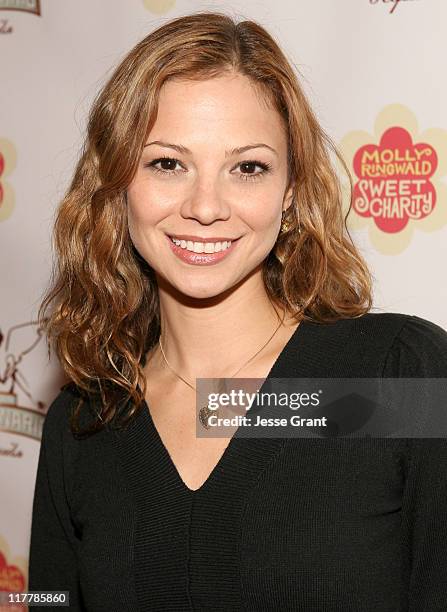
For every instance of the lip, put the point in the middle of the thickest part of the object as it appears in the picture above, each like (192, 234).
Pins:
(200, 259)
(200, 239)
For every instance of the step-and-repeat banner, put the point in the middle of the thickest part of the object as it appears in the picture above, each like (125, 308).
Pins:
(374, 72)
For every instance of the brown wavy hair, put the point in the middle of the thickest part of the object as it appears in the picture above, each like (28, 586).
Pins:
(104, 296)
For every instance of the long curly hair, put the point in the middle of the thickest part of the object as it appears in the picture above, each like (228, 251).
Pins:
(104, 313)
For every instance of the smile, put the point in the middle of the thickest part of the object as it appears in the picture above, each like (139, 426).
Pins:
(202, 247)
(201, 253)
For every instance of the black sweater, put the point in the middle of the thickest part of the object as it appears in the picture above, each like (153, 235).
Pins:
(311, 524)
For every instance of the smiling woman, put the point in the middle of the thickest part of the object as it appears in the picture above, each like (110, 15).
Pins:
(203, 236)
(210, 198)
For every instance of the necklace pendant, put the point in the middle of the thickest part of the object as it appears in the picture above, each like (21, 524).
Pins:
(204, 413)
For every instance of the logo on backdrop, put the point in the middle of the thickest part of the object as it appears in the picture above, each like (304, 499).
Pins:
(8, 160)
(15, 418)
(28, 6)
(393, 3)
(12, 573)
(393, 180)
(397, 179)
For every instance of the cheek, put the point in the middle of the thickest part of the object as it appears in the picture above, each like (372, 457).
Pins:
(265, 214)
(140, 219)
(138, 215)
(135, 221)
(140, 223)
(148, 203)
(142, 209)
(267, 217)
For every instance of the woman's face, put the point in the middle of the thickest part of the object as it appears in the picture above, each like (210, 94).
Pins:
(206, 188)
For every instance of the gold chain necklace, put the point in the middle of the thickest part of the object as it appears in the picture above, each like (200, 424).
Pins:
(205, 411)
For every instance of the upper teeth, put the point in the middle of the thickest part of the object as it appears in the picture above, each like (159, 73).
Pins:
(202, 247)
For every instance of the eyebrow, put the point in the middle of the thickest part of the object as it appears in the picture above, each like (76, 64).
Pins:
(235, 151)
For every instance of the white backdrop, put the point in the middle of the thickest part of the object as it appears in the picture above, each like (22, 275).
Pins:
(368, 66)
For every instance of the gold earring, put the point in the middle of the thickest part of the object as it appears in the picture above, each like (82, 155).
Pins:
(285, 225)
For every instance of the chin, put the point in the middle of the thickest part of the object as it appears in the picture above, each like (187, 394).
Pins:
(204, 288)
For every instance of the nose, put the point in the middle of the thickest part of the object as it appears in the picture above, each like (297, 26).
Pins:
(206, 202)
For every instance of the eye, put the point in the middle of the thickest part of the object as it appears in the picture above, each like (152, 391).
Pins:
(169, 164)
(253, 176)
(168, 168)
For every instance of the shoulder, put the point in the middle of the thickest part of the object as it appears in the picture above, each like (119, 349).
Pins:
(58, 414)
(395, 322)
(71, 409)
(415, 347)
(379, 344)
(418, 350)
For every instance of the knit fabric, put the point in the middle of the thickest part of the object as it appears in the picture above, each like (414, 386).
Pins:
(301, 524)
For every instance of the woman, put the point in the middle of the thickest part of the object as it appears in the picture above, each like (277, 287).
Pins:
(203, 237)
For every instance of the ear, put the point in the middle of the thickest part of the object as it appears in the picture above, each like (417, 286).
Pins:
(288, 198)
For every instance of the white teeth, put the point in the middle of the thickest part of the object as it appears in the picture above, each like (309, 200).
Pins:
(202, 247)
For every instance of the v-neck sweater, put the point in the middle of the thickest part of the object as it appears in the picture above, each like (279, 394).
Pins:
(311, 524)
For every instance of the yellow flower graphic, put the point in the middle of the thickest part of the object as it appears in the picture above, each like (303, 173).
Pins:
(159, 7)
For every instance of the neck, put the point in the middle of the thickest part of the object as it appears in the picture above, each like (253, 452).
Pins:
(213, 337)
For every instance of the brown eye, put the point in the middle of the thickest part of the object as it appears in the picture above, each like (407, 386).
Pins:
(250, 166)
(168, 165)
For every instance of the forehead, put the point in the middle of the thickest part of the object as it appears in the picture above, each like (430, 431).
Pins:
(227, 102)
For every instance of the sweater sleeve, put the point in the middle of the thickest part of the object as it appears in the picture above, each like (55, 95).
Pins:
(420, 350)
(52, 554)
